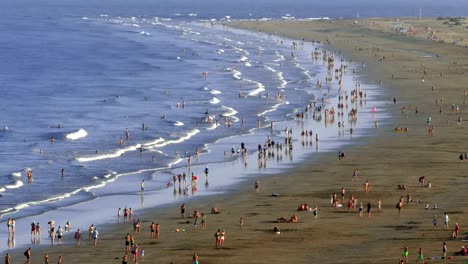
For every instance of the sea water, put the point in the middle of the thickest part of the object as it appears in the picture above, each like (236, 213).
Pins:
(75, 78)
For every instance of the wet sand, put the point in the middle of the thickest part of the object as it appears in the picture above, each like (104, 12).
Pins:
(386, 159)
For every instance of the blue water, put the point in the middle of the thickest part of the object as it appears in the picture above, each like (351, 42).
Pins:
(84, 73)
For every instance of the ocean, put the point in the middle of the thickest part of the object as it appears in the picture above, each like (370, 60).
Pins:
(77, 75)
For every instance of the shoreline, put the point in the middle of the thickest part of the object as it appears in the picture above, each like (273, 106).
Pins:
(293, 194)
(62, 214)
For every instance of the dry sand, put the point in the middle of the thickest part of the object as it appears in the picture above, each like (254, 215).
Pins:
(386, 159)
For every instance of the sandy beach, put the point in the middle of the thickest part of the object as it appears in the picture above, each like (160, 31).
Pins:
(427, 78)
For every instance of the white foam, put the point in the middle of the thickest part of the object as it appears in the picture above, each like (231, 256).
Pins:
(189, 134)
(2, 189)
(178, 123)
(85, 18)
(236, 74)
(192, 14)
(247, 64)
(215, 92)
(16, 174)
(215, 101)
(144, 33)
(243, 59)
(118, 152)
(80, 133)
(231, 112)
(273, 108)
(16, 185)
(260, 88)
(213, 126)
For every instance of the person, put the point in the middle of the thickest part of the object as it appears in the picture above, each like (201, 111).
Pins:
(315, 210)
(195, 258)
(27, 254)
(135, 253)
(434, 222)
(206, 171)
(446, 221)
(422, 180)
(158, 230)
(355, 174)
(217, 236)
(46, 258)
(241, 222)
(222, 238)
(125, 258)
(405, 253)
(90, 231)
(444, 251)
(59, 234)
(294, 218)
(78, 237)
(456, 231)
(182, 211)
(7, 259)
(366, 186)
(128, 240)
(33, 228)
(142, 185)
(95, 236)
(142, 255)
(369, 210)
(420, 255)
(196, 215)
(59, 260)
(257, 185)
(203, 220)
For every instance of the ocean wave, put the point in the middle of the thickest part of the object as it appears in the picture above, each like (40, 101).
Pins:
(215, 92)
(2, 189)
(80, 133)
(214, 125)
(188, 135)
(16, 185)
(243, 59)
(231, 112)
(16, 174)
(178, 123)
(118, 152)
(236, 74)
(273, 108)
(144, 33)
(214, 100)
(247, 64)
(280, 57)
(260, 87)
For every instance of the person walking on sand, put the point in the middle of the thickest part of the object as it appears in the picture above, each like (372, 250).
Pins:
(434, 222)
(7, 259)
(182, 211)
(446, 221)
(95, 236)
(405, 253)
(195, 258)
(420, 256)
(366, 186)
(27, 254)
(444, 251)
(257, 185)
(355, 174)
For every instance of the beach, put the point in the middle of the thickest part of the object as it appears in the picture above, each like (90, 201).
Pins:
(414, 73)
